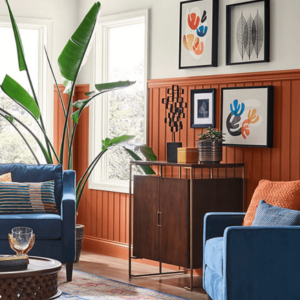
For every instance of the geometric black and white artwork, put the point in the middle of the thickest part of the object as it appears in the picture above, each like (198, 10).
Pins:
(247, 30)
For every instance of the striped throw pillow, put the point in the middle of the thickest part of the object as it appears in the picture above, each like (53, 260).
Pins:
(27, 197)
(5, 177)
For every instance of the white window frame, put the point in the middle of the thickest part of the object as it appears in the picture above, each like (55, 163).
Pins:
(100, 60)
(45, 85)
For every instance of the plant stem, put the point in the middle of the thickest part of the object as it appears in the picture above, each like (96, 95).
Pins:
(79, 188)
(35, 98)
(36, 159)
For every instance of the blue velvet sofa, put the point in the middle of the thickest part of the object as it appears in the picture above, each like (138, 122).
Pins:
(54, 233)
(249, 263)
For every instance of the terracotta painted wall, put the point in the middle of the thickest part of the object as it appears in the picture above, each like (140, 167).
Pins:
(105, 214)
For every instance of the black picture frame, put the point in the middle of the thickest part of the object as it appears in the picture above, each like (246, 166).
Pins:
(258, 49)
(192, 58)
(203, 108)
(245, 122)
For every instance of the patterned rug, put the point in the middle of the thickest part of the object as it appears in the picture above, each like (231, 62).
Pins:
(87, 286)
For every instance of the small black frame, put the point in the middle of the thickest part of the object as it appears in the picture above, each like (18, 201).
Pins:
(268, 101)
(213, 62)
(264, 51)
(207, 98)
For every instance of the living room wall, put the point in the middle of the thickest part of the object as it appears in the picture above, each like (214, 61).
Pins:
(164, 37)
(105, 214)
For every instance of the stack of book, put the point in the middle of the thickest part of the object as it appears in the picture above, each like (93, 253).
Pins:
(13, 263)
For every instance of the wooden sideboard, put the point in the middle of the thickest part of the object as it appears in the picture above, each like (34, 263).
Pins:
(168, 212)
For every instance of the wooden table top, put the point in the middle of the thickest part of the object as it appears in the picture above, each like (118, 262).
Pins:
(189, 165)
(37, 266)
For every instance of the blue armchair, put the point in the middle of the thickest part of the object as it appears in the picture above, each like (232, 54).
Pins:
(54, 233)
(249, 263)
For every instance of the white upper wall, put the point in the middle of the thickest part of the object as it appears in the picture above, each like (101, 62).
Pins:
(164, 37)
(64, 15)
(164, 33)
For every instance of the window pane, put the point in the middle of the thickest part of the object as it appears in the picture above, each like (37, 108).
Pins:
(126, 107)
(12, 147)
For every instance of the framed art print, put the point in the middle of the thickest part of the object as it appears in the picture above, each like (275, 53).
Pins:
(247, 116)
(248, 32)
(203, 108)
(198, 34)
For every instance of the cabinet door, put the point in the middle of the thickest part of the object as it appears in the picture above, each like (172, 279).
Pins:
(174, 207)
(145, 209)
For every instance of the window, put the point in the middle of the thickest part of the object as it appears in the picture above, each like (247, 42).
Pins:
(35, 34)
(120, 54)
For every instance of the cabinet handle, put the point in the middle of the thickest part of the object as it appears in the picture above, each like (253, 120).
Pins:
(159, 219)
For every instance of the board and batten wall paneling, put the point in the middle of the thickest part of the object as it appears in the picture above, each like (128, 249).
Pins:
(278, 163)
(105, 214)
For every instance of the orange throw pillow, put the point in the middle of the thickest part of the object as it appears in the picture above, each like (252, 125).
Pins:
(284, 194)
(5, 177)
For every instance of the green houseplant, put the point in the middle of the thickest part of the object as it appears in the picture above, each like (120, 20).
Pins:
(70, 62)
(210, 146)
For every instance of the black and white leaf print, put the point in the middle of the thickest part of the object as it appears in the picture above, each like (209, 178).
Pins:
(242, 35)
(249, 48)
(259, 36)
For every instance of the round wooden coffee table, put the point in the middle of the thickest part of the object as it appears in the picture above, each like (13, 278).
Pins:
(39, 281)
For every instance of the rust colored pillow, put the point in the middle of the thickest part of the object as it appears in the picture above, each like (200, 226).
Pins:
(5, 177)
(284, 194)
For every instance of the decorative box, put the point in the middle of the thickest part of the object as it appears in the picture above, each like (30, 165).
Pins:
(187, 155)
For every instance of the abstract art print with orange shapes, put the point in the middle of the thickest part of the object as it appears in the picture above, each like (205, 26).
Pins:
(247, 116)
(198, 41)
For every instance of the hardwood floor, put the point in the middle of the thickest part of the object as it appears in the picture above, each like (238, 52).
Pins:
(117, 269)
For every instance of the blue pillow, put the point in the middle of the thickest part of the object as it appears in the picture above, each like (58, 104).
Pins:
(269, 215)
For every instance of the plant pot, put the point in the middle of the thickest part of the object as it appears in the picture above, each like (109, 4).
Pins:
(172, 151)
(79, 240)
(209, 152)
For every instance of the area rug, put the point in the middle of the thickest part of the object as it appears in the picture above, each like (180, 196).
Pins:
(87, 286)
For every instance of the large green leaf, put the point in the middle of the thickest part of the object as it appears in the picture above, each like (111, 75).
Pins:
(146, 169)
(107, 143)
(21, 57)
(17, 93)
(109, 86)
(101, 88)
(148, 152)
(72, 56)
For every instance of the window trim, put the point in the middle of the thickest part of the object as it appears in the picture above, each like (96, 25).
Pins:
(45, 85)
(104, 24)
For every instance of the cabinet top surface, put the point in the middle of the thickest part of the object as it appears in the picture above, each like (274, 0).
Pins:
(188, 165)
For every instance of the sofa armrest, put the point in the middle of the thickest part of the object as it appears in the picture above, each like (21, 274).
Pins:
(68, 215)
(216, 223)
(261, 262)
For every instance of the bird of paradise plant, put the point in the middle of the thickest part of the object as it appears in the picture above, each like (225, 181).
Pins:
(70, 61)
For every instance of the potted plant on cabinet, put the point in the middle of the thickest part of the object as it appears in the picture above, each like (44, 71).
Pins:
(70, 62)
(210, 146)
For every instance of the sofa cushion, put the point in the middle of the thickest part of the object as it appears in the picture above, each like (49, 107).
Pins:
(5, 177)
(22, 198)
(214, 255)
(37, 173)
(214, 284)
(45, 226)
(269, 215)
(284, 194)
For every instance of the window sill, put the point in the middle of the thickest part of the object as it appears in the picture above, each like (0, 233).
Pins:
(117, 186)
